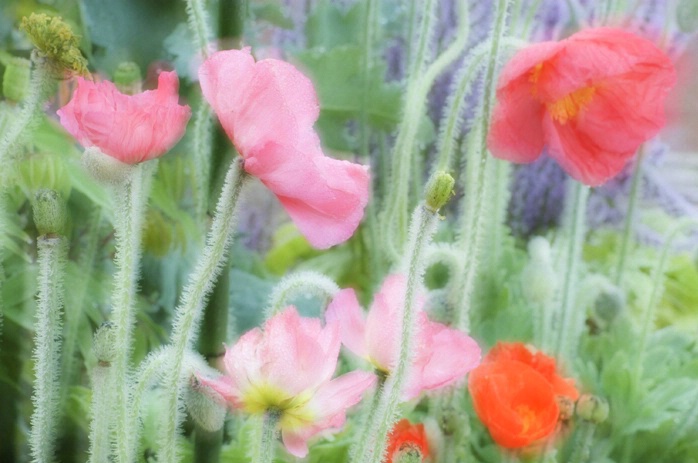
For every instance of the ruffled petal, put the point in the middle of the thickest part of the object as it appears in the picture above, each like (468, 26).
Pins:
(347, 313)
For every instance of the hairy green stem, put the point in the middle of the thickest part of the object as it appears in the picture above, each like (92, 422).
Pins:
(566, 329)
(371, 8)
(47, 346)
(188, 313)
(132, 198)
(628, 227)
(371, 450)
(263, 450)
(199, 25)
(478, 183)
(102, 393)
(202, 141)
(307, 282)
(585, 438)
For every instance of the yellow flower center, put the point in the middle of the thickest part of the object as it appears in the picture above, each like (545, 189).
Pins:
(294, 410)
(567, 107)
(527, 415)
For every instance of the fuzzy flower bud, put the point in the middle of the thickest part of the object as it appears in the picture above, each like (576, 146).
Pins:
(538, 279)
(592, 408)
(49, 212)
(103, 168)
(128, 78)
(439, 190)
(205, 406)
(56, 41)
(44, 171)
(103, 344)
(15, 81)
(609, 304)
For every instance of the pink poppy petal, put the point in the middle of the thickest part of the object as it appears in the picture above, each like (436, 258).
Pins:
(225, 387)
(333, 398)
(296, 443)
(347, 313)
(383, 322)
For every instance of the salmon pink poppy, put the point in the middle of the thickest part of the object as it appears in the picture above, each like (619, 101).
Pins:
(592, 99)
(268, 109)
(288, 367)
(406, 437)
(515, 394)
(443, 355)
(129, 128)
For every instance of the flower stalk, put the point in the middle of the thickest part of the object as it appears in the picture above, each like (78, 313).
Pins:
(188, 314)
(628, 227)
(312, 283)
(263, 452)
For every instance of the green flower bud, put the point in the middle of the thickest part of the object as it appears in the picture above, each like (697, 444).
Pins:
(609, 304)
(16, 79)
(49, 212)
(128, 78)
(56, 41)
(44, 171)
(592, 408)
(439, 190)
(538, 279)
(103, 344)
(105, 168)
(205, 406)
(408, 454)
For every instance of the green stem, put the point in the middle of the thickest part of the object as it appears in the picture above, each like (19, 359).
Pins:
(47, 346)
(188, 314)
(372, 449)
(102, 393)
(567, 330)
(478, 182)
(231, 19)
(312, 283)
(582, 447)
(202, 141)
(40, 87)
(199, 24)
(132, 197)
(263, 452)
(368, 39)
(628, 228)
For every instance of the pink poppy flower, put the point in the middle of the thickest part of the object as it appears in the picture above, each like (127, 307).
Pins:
(131, 129)
(593, 99)
(268, 109)
(288, 367)
(443, 355)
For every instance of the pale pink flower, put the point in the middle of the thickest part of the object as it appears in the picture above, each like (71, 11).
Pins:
(442, 355)
(268, 109)
(131, 129)
(288, 366)
(592, 99)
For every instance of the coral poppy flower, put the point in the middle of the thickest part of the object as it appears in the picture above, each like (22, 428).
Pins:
(515, 392)
(406, 437)
(128, 128)
(443, 355)
(288, 367)
(268, 109)
(593, 99)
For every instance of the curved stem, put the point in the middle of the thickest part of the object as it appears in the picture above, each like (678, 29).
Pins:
(371, 450)
(297, 283)
(47, 348)
(188, 314)
(263, 452)
(629, 219)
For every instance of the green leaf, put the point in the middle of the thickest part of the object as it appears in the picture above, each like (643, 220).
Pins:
(271, 13)
(288, 247)
(329, 27)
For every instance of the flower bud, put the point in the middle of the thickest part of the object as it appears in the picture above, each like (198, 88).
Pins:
(56, 41)
(592, 408)
(205, 406)
(105, 168)
(566, 406)
(609, 303)
(439, 190)
(408, 454)
(538, 279)
(103, 344)
(49, 212)
(128, 78)
(15, 81)
(44, 171)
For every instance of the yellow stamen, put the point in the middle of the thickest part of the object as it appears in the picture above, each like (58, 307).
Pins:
(294, 410)
(569, 106)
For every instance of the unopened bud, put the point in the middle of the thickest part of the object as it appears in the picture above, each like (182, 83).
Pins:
(128, 78)
(49, 212)
(439, 190)
(408, 454)
(566, 406)
(609, 303)
(105, 168)
(44, 171)
(538, 279)
(55, 41)
(205, 406)
(103, 344)
(592, 408)
(15, 80)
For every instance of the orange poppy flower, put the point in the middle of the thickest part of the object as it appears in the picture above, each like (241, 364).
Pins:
(515, 392)
(405, 436)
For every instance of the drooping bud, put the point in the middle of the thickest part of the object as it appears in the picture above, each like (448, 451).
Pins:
(128, 78)
(49, 212)
(103, 344)
(105, 168)
(55, 41)
(538, 279)
(592, 408)
(15, 80)
(205, 406)
(439, 190)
